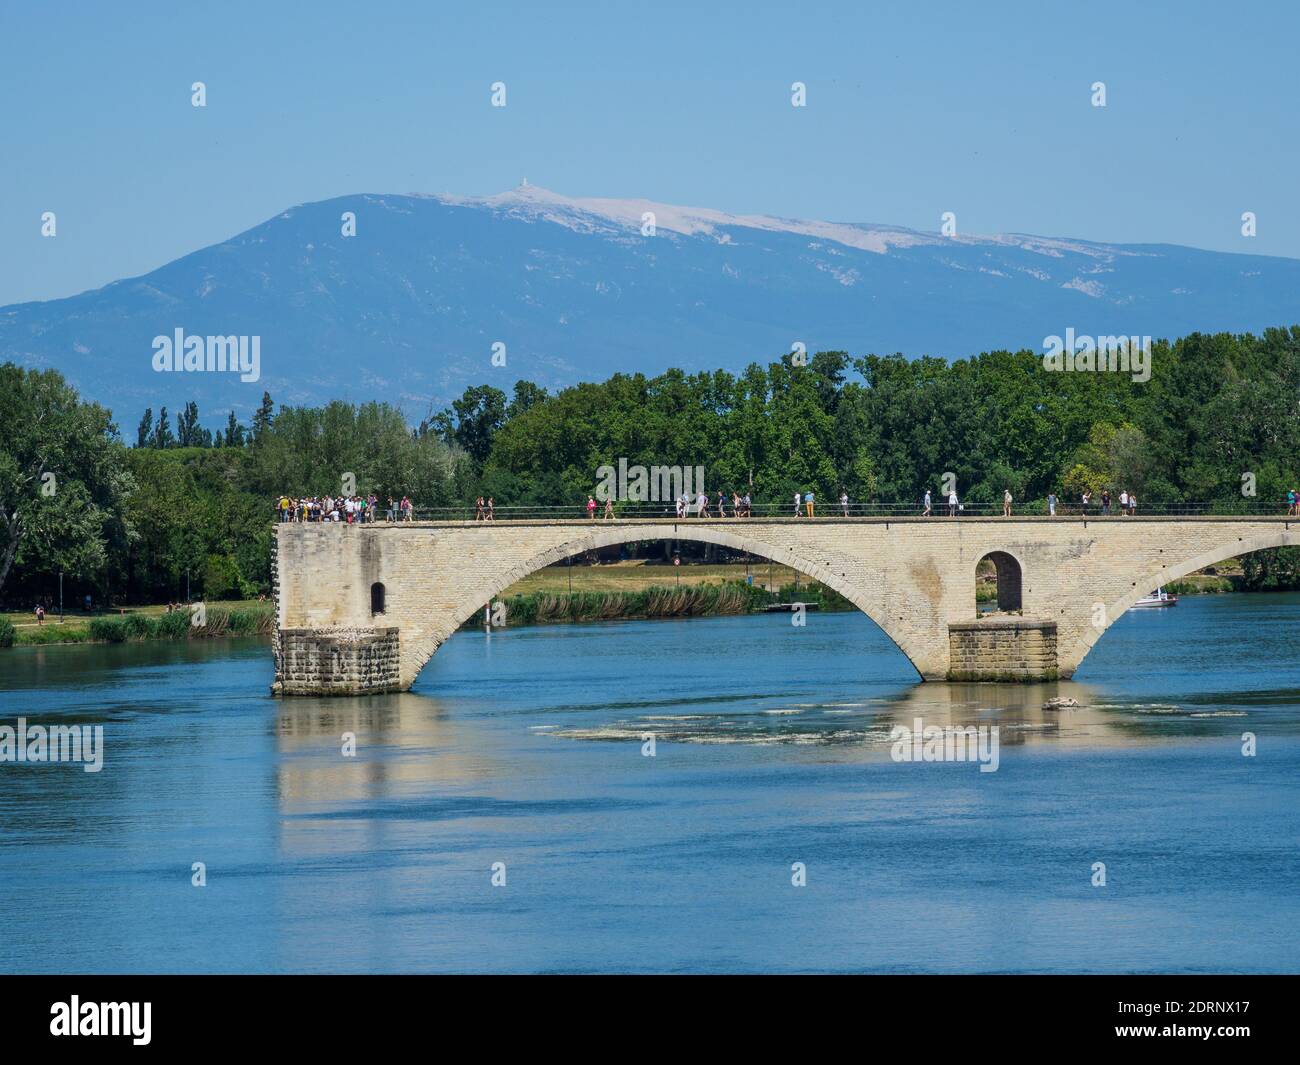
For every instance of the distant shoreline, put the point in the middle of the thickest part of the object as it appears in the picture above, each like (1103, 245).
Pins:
(544, 605)
(140, 624)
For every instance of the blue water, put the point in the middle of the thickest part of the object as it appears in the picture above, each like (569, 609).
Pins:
(772, 748)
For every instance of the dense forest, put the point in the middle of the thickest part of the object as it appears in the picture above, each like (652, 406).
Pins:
(133, 520)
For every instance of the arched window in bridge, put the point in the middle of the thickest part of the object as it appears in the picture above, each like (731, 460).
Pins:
(376, 598)
(998, 577)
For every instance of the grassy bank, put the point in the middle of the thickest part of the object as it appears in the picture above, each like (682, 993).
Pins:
(653, 601)
(638, 574)
(1204, 584)
(148, 623)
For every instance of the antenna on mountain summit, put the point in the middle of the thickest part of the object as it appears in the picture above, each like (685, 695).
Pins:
(525, 184)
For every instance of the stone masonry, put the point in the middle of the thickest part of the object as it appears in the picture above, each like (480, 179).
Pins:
(337, 661)
(1002, 648)
(913, 577)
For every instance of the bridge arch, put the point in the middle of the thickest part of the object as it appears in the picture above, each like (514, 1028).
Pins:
(610, 535)
(1145, 581)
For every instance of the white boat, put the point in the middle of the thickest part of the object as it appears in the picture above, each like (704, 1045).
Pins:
(1158, 598)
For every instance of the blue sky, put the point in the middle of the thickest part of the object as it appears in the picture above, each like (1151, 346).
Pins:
(913, 109)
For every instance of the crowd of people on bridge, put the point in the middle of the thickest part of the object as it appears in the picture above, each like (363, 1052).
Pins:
(1127, 503)
(363, 509)
(700, 505)
(695, 504)
(353, 509)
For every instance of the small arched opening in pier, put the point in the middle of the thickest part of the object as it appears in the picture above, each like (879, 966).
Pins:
(376, 599)
(1001, 571)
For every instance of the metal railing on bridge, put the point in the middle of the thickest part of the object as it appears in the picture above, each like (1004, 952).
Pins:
(625, 511)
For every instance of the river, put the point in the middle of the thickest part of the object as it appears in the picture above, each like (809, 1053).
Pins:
(771, 748)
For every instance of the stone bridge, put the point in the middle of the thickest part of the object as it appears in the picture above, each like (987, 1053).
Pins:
(362, 608)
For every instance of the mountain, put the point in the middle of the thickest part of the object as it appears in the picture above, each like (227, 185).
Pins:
(410, 307)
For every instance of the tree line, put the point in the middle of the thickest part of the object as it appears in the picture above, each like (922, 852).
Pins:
(135, 523)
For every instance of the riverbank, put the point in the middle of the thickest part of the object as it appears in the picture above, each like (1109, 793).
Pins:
(1206, 584)
(251, 618)
(654, 601)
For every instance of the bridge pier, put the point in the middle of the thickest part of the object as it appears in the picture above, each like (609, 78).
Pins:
(1002, 649)
(337, 661)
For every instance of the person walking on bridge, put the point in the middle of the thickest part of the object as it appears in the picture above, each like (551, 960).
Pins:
(952, 503)
(591, 507)
(1051, 504)
(1006, 502)
(844, 502)
(927, 509)
(797, 499)
(808, 502)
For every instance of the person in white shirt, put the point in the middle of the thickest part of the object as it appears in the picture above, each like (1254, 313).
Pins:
(952, 503)
(926, 512)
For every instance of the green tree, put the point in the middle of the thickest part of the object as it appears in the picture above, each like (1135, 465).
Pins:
(234, 432)
(189, 433)
(527, 395)
(473, 420)
(262, 418)
(162, 432)
(62, 479)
